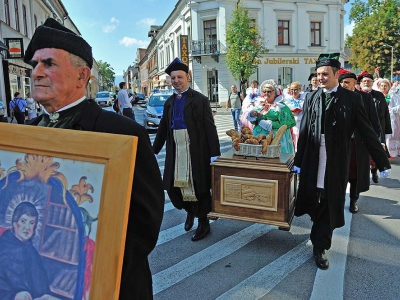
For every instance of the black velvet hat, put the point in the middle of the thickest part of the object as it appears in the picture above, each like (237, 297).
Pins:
(312, 75)
(54, 35)
(328, 59)
(363, 75)
(346, 74)
(176, 65)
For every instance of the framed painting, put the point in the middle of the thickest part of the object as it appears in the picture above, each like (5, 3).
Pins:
(64, 204)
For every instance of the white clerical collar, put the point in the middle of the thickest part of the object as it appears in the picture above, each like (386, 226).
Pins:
(67, 106)
(332, 90)
(176, 92)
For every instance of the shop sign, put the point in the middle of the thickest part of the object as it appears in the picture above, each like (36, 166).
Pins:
(184, 49)
(16, 70)
(287, 61)
(15, 47)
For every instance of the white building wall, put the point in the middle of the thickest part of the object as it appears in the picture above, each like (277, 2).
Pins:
(299, 56)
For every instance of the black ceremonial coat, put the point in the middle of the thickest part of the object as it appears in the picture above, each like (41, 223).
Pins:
(203, 136)
(362, 154)
(147, 200)
(383, 114)
(343, 115)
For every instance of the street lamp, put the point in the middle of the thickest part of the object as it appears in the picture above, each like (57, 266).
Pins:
(391, 65)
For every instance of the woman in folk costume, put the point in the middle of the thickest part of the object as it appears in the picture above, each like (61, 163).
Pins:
(295, 102)
(271, 113)
(187, 127)
(248, 103)
(392, 97)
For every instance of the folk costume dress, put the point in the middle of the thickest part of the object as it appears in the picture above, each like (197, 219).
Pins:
(296, 107)
(393, 142)
(248, 105)
(277, 114)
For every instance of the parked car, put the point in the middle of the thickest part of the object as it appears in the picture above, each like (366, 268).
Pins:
(104, 98)
(154, 109)
(141, 97)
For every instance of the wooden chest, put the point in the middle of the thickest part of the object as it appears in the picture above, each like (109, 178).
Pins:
(260, 190)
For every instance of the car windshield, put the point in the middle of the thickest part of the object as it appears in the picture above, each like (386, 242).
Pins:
(141, 95)
(103, 95)
(158, 100)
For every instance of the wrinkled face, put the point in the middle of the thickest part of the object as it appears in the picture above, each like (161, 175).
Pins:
(366, 84)
(269, 94)
(384, 87)
(55, 80)
(326, 78)
(294, 91)
(25, 227)
(314, 81)
(180, 80)
(348, 83)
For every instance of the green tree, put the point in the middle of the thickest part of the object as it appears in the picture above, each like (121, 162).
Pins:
(107, 74)
(376, 25)
(244, 43)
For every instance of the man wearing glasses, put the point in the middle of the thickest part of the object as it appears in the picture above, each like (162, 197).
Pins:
(235, 104)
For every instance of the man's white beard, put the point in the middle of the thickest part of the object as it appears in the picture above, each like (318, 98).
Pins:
(366, 89)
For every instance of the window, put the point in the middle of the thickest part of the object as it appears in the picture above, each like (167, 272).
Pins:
(7, 11)
(253, 23)
(16, 16)
(35, 20)
(315, 33)
(283, 33)
(285, 76)
(210, 36)
(24, 19)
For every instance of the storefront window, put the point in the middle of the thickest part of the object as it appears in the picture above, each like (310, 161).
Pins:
(285, 76)
(27, 85)
(13, 84)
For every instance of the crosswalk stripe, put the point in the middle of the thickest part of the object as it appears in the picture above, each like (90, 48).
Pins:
(337, 256)
(264, 280)
(189, 266)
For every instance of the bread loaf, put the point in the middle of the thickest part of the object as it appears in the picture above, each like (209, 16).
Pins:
(279, 135)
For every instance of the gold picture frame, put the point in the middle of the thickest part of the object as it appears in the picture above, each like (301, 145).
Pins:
(115, 154)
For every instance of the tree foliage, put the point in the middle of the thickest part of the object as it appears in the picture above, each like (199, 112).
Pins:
(376, 25)
(244, 43)
(107, 74)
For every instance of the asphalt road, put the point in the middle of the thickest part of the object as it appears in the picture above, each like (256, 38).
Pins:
(241, 260)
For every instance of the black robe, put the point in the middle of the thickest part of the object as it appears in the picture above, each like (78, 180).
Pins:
(204, 142)
(383, 113)
(343, 115)
(21, 268)
(362, 154)
(147, 200)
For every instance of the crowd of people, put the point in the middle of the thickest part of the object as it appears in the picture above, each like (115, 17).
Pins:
(324, 125)
(23, 110)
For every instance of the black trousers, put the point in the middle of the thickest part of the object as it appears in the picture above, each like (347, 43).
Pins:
(321, 232)
(199, 208)
(20, 118)
(128, 112)
(353, 189)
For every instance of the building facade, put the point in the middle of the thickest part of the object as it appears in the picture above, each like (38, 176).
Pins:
(294, 32)
(18, 22)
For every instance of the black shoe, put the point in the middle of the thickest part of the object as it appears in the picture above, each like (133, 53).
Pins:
(353, 208)
(375, 177)
(189, 221)
(202, 230)
(320, 258)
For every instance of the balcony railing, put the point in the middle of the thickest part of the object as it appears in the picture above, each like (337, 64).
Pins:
(204, 47)
(207, 47)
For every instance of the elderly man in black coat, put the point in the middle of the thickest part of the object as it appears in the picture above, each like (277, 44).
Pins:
(61, 62)
(330, 116)
(187, 126)
(360, 160)
(366, 82)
